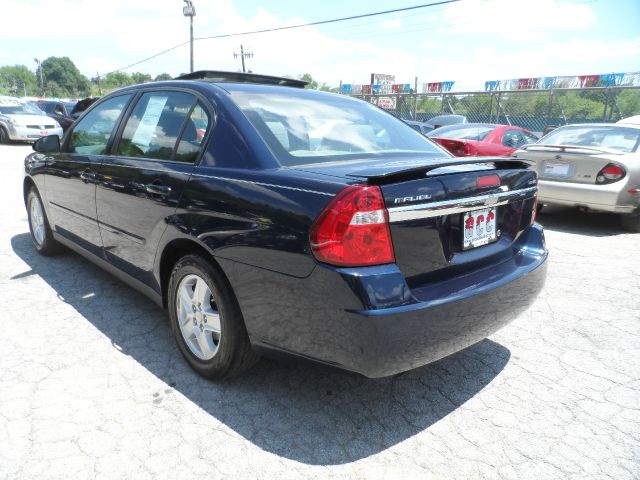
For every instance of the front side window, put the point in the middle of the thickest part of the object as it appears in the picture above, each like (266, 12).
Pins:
(91, 135)
(156, 123)
(308, 128)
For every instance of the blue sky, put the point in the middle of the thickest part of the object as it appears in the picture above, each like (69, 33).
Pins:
(468, 41)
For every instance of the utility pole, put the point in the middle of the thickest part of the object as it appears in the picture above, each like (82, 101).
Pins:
(41, 77)
(98, 82)
(190, 11)
(242, 56)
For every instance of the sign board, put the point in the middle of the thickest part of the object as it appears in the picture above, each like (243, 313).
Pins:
(388, 103)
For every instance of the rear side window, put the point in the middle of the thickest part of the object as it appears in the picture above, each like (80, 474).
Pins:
(193, 135)
(92, 133)
(156, 123)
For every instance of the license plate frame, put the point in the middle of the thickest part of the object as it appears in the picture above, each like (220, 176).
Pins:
(556, 169)
(479, 228)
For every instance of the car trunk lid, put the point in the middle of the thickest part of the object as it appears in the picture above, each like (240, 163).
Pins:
(437, 206)
(568, 163)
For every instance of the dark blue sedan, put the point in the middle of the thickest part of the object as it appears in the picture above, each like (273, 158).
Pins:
(267, 218)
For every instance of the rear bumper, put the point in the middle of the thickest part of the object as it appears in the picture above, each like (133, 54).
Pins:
(367, 320)
(612, 198)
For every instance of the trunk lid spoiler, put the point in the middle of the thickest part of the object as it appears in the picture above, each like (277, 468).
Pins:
(397, 171)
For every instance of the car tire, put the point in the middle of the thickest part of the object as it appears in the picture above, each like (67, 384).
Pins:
(631, 222)
(206, 320)
(4, 136)
(41, 234)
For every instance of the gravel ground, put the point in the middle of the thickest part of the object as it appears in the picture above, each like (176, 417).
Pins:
(92, 385)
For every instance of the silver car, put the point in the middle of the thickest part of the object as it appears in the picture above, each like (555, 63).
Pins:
(24, 122)
(591, 166)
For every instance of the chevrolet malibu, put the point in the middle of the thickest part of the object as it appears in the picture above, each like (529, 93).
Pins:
(267, 218)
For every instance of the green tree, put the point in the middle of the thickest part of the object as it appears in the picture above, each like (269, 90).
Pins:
(18, 80)
(68, 80)
(313, 84)
(138, 77)
(163, 76)
(117, 80)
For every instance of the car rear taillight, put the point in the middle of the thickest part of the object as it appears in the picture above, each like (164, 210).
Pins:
(610, 173)
(353, 230)
(459, 148)
(486, 181)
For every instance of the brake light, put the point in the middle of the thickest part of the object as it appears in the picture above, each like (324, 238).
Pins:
(353, 230)
(487, 181)
(459, 148)
(610, 173)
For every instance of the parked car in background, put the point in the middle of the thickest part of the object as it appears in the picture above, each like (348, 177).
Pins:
(471, 139)
(591, 166)
(82, 105)
(444, 120)
(58, 110)
(633, 120)
(421, 127)
(23, 122)
(361, 245)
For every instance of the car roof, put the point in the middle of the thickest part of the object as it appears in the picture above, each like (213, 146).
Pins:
(618, 124)
(217, 76)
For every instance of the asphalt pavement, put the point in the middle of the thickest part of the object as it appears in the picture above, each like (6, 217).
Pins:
(92, 385)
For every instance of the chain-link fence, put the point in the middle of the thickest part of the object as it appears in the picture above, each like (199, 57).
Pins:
(530, 109)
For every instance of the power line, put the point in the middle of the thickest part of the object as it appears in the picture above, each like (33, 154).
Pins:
(290, 27)
(334, 20)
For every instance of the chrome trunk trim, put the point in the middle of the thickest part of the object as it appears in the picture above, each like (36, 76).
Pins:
(460, 205)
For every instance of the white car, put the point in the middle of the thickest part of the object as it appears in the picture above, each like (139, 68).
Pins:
(635, 120)
(590, 166)
(24, 122)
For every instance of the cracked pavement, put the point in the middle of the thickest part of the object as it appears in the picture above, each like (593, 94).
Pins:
(92, 385)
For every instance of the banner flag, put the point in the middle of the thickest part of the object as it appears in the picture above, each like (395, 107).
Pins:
(446, 86)
(588, 80)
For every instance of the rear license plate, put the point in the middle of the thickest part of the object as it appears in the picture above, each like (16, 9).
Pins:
(478, 228)
(556, 170)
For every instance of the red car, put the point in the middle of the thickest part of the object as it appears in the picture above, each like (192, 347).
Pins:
(471, 139)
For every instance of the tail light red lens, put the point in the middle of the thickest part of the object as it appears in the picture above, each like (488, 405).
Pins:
(610, 173)
(353, 230)
(487, 181)
(469, 150)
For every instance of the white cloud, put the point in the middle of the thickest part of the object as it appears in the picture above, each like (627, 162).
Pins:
(392, 23)
(480, 40)
(519, 20)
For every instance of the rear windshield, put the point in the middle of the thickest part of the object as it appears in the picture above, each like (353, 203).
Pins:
(614, 137)
(324, 128)
(463, 131)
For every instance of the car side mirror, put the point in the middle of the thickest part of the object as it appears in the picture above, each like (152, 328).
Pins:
(48, 144)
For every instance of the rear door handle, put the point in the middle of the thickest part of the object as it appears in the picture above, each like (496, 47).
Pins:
(156, 189)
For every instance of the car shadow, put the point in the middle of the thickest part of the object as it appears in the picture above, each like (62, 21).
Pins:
(304, 412)
(572, 220)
